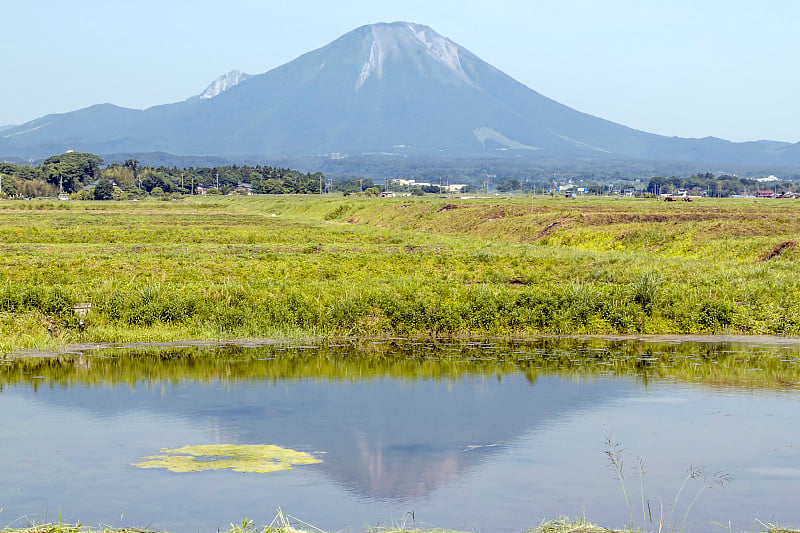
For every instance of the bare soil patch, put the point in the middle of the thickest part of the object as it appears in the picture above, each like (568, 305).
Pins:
(778, 250)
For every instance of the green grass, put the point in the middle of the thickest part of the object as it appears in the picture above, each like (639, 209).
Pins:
(292, 267)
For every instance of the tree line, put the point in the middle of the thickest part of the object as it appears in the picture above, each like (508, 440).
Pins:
(82, 176)
(709, 184)
(721, 186)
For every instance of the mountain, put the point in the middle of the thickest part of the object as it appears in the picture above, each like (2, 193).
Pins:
(222, 84)
(393, 89)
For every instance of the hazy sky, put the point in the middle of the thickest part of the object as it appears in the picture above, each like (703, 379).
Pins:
(691, 68)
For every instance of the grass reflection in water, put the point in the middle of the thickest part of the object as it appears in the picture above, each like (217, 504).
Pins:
(740, 365)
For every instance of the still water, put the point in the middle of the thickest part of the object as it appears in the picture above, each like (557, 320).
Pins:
(475, 437)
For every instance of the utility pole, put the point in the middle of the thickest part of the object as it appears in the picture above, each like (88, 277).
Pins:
(191, 193)
(218, 179)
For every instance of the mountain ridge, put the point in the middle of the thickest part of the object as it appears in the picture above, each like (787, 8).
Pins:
(398, 89)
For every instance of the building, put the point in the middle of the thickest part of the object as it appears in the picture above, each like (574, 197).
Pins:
(244, 189)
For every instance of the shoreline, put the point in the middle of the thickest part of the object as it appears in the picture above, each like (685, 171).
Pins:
(281, 525)
(84, 349)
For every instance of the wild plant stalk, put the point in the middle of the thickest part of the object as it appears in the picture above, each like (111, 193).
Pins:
(614, 453)
(718, 481)
(282, 522)
(694, 472)
(641, 491)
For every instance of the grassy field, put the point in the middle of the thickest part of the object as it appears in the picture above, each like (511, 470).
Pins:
(333, 266)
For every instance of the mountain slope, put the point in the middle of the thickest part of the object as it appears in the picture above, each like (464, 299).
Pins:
(395, 88)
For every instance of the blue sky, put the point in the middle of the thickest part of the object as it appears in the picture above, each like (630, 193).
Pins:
(685, 68)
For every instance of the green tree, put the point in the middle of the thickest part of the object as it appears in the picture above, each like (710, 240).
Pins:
(272, 186)
(122, 176)
(74, 169)
(352, 185)
(510, 185)
(104, 190)
(133, 166)
(152, 179)
(660, 185)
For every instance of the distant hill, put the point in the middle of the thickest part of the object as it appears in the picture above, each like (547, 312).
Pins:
(163, 159)
(397, 89)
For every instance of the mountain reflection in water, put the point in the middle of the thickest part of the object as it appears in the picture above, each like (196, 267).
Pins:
(396, 425)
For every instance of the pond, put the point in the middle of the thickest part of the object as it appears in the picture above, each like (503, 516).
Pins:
(476, 436)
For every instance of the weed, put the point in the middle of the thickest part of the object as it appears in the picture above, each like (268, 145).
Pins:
(717, 480)
(482, 256)
(645, 290)
(613, 451)
(245, 527)
(715, 314)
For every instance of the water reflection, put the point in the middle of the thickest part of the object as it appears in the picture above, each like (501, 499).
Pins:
(740, 364)
(381, 438)
(398, 425)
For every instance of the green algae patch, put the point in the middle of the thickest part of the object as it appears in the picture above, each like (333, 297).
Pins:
(256, 458)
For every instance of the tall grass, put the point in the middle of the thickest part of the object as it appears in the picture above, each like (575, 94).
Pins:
(333, 266)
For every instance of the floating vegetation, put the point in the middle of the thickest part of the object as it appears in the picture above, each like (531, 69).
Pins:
(256, 458)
